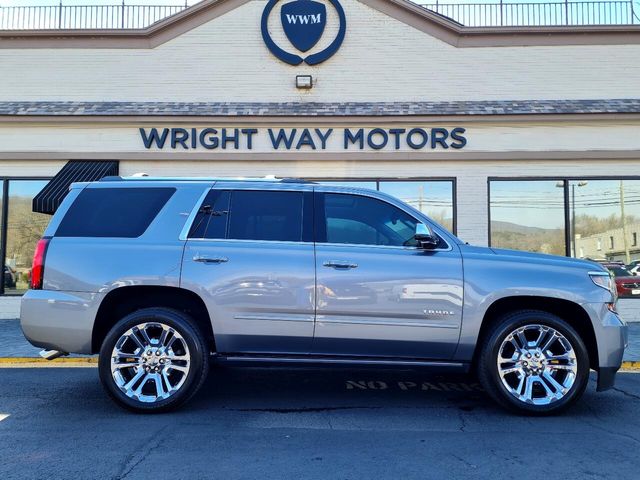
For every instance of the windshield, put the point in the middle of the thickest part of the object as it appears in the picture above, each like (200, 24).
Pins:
(620, 272)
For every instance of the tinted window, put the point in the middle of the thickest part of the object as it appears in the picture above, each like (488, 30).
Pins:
(113, 212)
(211, 220)
(265, 215)
(363, 220)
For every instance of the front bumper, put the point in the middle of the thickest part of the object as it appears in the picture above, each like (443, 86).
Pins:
(611, 338)
(57, 320)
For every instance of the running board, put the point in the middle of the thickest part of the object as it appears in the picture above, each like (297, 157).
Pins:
(336, 360)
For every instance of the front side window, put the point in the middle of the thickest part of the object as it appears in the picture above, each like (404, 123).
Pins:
(433, 198)
(361, 220)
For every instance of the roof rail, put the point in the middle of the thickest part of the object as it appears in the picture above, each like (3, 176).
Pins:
(294, 180)
(114, 178)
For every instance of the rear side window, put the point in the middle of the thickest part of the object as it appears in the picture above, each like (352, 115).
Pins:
(113, 212)
(211, 220)
(263, 215)
(251, 215)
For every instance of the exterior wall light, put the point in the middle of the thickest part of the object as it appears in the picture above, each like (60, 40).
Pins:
(304, 81)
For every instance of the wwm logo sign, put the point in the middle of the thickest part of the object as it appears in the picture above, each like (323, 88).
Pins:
(303, 19)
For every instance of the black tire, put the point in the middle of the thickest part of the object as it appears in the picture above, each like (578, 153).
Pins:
(487, 367)
(199, 359)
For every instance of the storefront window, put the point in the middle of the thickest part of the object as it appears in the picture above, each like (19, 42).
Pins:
(351, 183)
(434, 199)
(528, 215)
(24, 228)
(605, 218)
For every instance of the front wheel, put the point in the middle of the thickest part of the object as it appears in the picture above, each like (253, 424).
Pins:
(534, 362)
(153, 360)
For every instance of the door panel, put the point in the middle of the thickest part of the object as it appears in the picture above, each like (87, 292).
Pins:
(251, 260)
(259, 294)
(396, 302)
(377, 293)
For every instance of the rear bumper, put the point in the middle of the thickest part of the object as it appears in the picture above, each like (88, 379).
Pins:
(57, 320)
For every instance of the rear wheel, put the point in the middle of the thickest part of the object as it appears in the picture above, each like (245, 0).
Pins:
(153, 360)
(534, 362)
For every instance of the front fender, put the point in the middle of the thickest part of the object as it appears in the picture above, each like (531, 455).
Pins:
(489, 278)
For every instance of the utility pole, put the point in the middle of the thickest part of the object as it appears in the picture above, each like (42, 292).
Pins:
(573, 220)
(624, 225)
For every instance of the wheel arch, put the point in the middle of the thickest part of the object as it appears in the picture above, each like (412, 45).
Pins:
(125, 300)
(569, 311)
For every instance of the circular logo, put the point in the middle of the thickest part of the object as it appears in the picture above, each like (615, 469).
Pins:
(303, 23)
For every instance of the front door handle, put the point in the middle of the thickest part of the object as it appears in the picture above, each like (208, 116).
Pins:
(203, 259)
(340, 264)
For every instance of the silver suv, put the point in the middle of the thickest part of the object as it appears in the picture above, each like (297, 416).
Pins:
(157, 275)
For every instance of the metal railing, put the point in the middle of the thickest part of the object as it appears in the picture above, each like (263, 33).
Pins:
(64, 17)
(532, 14)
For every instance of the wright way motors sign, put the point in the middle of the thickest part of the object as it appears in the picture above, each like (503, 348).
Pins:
(209, 138)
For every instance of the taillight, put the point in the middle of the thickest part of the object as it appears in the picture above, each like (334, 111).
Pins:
(37, 268)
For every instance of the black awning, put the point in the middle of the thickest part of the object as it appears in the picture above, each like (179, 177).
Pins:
(51, 196)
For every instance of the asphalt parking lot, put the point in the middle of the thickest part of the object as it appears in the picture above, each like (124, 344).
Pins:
(250, 423)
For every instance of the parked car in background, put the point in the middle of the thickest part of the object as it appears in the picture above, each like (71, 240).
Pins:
(634, 267)
(158, 275)
(627, 284)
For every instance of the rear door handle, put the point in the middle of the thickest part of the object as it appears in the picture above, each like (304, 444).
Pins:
(340, 264)
(203, 259)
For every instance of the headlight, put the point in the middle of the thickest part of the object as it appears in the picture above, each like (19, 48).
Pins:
(606, 281)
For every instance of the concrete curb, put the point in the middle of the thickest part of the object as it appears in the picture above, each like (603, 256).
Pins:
(37, 362)
(630, 366)
(66, 362)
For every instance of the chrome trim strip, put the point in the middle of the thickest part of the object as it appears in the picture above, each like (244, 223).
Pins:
(192, 216)
(387, 247)
(388, 324)
(249, 241)
(273, 318)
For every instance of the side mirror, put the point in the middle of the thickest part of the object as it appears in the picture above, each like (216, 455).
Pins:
(425, 237)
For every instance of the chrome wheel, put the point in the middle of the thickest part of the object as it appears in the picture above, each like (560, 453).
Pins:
(150, 362)
(537, 364)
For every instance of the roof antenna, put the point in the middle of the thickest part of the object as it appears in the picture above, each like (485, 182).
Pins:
(139, 175)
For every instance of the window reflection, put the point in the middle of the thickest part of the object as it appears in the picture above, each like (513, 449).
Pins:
(24, 229)
(528, 215)
(606, 220)
(433, 198)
